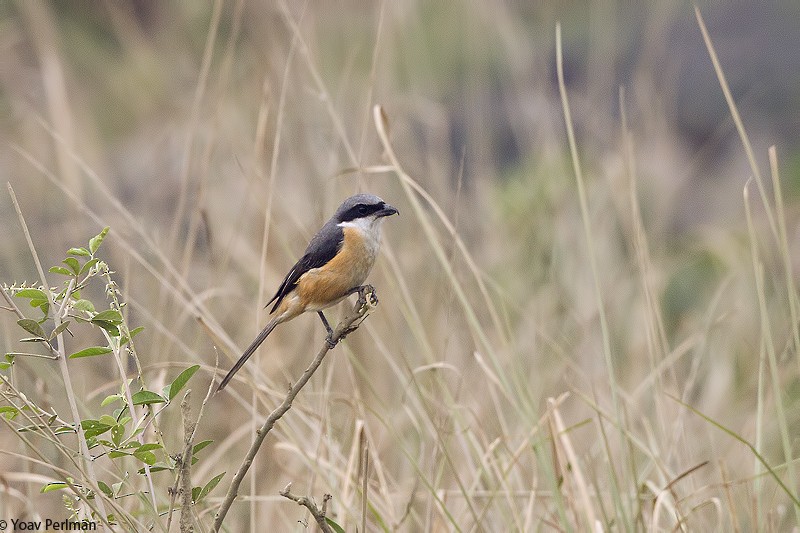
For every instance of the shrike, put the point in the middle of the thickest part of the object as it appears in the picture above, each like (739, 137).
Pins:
(334, 266)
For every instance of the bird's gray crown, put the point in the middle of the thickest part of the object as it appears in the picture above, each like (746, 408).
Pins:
(361, 206)
(358, 199)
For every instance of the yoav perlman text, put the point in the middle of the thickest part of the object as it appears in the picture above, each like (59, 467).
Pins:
(53, 525)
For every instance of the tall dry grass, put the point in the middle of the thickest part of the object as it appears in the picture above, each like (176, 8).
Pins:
(575, 331)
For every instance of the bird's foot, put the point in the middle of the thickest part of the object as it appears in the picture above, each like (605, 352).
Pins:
(330, 341)
(367, 300)
(367, 294)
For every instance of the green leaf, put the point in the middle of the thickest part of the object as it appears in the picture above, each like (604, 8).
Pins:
(84, 305)
(146, 397)
(126, 339)
(208, 487)
(89, 352)
(109, 320)
(149, 447)
(55, 485)
(44, 305)
(200, 445)
(60, 270)
(9, 411)
(33, 339)
(111, 398)
(105, 488)
(31, 326)
(87, 265)
(93, 428)
(8, 362)
(112, 329)
(79, 251)
(109, 315)
(116, 454)
(94, 242)
(108, 420)
(35, 294)
(180, 381)
(336, 527)
(61, 327)
(117, 434)
(146, 457)
(157, 467)
(73, 264)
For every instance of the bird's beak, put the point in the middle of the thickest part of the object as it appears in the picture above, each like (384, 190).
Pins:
(387, 211)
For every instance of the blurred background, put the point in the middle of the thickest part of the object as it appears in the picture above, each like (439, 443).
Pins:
(209, 135)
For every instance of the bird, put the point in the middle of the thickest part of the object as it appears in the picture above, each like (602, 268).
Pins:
(336, 263)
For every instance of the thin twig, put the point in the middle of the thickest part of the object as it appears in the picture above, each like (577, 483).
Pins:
(116, 348)
(185, 467)
(185, 458)
(16, 310)
(364, 478)
(308, 503)
(366, 302)
(39, 355)
(62, 359)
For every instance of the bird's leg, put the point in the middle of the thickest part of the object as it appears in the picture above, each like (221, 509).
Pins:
(328, 328)
(363, 291)
(354, 290)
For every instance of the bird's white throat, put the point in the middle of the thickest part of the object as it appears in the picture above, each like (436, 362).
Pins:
(370, 228)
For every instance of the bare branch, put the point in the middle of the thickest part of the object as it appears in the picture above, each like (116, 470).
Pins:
(308, 503)
(365, 303)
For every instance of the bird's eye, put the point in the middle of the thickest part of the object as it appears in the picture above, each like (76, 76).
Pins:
(362, 210)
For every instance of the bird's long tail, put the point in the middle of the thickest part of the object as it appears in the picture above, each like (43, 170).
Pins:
(250, 351)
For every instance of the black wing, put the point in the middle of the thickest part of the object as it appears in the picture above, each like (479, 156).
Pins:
(322, 248)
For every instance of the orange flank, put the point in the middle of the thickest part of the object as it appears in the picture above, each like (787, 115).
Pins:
(322, 287)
